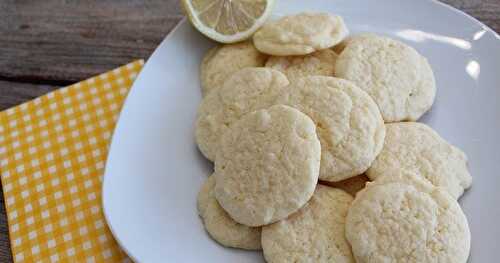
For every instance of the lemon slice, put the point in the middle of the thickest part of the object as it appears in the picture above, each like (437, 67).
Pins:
(228, 21)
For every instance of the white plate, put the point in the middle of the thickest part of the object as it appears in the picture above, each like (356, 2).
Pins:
(154, 169)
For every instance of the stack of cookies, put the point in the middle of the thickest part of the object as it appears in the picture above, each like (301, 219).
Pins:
(299, 121)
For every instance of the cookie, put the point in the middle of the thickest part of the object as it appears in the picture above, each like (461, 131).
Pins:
(204, 195)
(397, 221)
(221, 62)
(300, 34)
(352, 185)
(247, 90)
(313, 234)
(341, 46)
(319, 63)
(267, 165)
(395, 75)
(221, 227)
(418, 149)
(349, 124)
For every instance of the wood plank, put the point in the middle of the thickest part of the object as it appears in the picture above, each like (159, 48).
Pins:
(486, 11)
(5, 254)
(15, 93)
(59, 41)
(56, 41)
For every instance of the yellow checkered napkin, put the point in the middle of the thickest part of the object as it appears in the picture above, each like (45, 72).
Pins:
(52, 155)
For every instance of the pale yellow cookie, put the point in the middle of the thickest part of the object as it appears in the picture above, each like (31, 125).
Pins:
(315, 233)
(267, 165)
(247, 90)
(352, 185)
(204, 195)
(395, 75)
(300, 34)
(222, 61)
(349, 124)
(416, 148)
(396, 220)
(221, 227)
(341, 46)
(319, 63)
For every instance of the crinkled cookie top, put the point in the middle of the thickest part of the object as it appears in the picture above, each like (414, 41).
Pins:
(245, 91)
(313, 234)
(349, 124)
(267, 165)
(220, 225)
(395, 75)
(219, 63)
(319, 63)
(401, 221)
(300, 34)
(416, 148)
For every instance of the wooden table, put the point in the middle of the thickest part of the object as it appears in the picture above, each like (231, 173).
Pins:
(49, 44)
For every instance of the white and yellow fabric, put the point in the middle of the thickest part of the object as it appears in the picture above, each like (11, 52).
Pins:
(52, 155)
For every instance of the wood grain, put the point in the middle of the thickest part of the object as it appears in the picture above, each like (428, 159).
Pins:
(486, 11)
(60, 41)
(52, 43)
(5, 254)
(14, 93)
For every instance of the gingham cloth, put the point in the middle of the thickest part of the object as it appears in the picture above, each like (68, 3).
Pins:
(52, 155)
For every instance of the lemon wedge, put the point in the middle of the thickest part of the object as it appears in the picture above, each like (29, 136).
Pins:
(227, 21)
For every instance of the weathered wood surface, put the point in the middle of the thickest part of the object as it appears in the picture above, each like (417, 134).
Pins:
(14, 93)
(60, 41)
(52, 43)
(486, 11)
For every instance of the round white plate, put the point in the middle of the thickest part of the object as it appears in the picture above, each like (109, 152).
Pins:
(154, 169)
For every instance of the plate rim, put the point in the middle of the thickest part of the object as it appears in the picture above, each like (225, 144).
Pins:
(103, 202)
